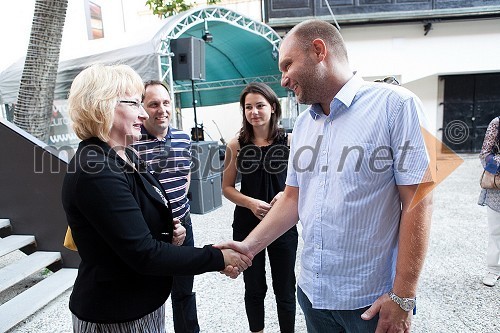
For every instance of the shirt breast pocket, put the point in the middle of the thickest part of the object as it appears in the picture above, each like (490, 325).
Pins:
(363, 163)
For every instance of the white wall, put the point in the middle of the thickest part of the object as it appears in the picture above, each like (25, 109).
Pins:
(450, 47)
(121, 27)
(249, 8)
(228, 117)
(15, 28)
(124, 23)
(427, 89)
(402, 50)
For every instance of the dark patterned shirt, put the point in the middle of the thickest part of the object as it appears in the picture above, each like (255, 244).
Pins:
(170, 160)
(490, 197)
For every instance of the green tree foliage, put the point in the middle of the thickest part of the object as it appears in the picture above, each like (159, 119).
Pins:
(164, 8)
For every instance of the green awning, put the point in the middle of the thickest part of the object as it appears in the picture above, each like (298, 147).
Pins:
(242, 51)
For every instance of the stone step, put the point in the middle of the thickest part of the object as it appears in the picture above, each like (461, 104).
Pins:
(21, 269)
(4, 223)
(15, 242)
(33, 299)
(5, 227)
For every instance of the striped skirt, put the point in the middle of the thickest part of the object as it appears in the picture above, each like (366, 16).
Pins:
(150, 323)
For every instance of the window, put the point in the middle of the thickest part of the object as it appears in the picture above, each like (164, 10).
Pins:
(94, 21)
(281, 12)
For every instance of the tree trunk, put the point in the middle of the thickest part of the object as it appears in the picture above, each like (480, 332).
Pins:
(38, 81)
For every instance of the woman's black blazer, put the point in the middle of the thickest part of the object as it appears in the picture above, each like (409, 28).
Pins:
(122, 227)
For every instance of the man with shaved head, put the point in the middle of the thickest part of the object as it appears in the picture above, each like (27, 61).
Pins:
(356, 161)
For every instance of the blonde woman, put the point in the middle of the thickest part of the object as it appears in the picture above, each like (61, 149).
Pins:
(118, 213)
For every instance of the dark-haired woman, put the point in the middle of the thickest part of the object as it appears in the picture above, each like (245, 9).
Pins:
(260, 154)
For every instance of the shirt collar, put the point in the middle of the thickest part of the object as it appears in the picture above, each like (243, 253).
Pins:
(345, 96)
(349, 90)
(316, 111)
(148, 136)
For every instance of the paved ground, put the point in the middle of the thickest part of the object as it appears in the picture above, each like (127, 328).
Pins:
(451, 295)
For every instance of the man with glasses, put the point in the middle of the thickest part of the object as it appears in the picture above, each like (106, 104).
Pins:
(167, 151)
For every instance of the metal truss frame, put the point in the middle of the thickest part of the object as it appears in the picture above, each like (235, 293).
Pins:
(212, 13)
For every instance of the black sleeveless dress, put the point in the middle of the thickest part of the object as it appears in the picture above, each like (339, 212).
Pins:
(263, 174)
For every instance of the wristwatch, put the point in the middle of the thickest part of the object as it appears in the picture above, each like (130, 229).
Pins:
(407, 304)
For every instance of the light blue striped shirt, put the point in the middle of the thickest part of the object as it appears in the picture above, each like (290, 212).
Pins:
(347, 166)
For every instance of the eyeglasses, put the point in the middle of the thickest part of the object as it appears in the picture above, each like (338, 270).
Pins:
(135, 104)
(389, 79)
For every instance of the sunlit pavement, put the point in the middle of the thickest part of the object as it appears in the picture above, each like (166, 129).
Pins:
(451, 296)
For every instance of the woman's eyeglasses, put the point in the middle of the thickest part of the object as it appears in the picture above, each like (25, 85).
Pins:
(135, 104)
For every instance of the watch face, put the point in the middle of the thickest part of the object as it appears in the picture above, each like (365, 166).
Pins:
(407, 304)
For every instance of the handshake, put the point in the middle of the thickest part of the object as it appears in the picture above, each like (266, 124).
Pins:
(237, 257)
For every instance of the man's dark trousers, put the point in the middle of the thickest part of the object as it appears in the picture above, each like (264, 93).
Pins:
(183, 297)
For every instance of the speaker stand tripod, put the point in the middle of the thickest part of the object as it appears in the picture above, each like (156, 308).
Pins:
(194, 111)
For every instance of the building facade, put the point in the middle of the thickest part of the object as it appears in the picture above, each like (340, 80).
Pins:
(445, 51)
